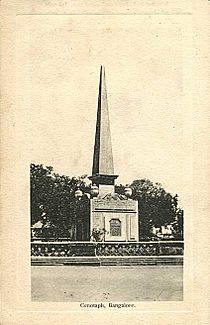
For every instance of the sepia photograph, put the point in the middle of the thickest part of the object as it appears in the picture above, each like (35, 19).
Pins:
(106, 170)
(105, 162)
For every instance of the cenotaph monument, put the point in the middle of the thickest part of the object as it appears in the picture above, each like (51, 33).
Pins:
(113, 215)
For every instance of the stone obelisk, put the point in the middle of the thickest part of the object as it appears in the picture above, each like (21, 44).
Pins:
(113, 216)
(103, 167)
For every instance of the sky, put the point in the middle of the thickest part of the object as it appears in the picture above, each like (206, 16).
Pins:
(58, 80)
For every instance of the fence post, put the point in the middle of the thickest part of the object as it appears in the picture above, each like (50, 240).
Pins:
(158, 249)
(95, 249)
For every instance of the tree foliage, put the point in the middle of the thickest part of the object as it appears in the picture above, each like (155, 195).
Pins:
(156, 207)
(52, 196)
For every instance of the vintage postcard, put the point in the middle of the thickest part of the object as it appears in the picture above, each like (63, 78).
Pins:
(104, 162)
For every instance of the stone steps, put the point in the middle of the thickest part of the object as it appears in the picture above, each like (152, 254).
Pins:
(108, 261)
(94, 261)
(141, 261)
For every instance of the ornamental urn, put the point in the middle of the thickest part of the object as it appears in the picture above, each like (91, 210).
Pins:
(78, 194)
(94, 190)
(128, 191)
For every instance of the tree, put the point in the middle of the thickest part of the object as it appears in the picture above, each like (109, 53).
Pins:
(52, 196)
(156, 207)
(178, 225)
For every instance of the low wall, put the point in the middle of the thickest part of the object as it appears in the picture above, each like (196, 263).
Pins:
(107, 253)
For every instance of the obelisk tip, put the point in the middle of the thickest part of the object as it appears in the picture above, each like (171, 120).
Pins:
(102, 67)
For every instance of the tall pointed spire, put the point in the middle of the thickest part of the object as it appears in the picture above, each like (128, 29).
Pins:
(102, 158)
(103, 166)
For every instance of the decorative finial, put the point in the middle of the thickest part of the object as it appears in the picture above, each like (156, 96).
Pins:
(94, 190)
(128, 191)
(78, 194)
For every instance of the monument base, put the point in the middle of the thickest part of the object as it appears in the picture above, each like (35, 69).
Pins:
(114, 218)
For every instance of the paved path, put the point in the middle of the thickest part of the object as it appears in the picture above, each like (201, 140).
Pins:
(89, 283)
